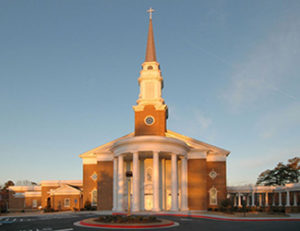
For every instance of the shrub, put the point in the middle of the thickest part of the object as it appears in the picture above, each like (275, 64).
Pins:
(126, 219)
(226, 206)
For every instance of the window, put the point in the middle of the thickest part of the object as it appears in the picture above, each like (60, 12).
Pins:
(94, 176)
(67, 202)
(148, 175)
(212, 174)
(34, 203)
(213, 199)
(94, 197)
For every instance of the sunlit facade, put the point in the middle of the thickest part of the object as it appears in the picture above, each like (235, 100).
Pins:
(170, 171)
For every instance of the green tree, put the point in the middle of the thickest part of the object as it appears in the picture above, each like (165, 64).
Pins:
(7, 184)
(282, 174)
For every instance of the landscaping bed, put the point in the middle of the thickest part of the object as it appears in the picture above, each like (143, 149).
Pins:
(122, 219)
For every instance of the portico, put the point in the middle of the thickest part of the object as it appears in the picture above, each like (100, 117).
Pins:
(146, 157)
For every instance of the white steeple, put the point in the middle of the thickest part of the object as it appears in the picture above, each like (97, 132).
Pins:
(150, 80)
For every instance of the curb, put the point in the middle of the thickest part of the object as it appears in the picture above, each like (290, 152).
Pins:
(135, 226)
(220, 218)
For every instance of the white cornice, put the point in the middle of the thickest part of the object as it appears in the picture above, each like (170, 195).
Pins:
(197, 154)
(33, 194)
(89, 160)
(215, 157)
(105, 156)
(262, 188)
(19, 188)
(150, 143)
(48, 183)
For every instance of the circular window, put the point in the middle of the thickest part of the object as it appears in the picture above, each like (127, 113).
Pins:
(149, 120)
(150, 68)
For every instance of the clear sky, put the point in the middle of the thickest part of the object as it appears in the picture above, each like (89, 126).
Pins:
(69, 69)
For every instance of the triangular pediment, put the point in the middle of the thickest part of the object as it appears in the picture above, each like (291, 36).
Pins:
(66, 190)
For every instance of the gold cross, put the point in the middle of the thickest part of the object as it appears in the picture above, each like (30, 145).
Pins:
(150, 11)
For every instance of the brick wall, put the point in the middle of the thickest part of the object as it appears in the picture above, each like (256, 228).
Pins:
(219, 182)
(159, 126)
(88, 183)
(105, 185)
(58, 202)
(197, 189)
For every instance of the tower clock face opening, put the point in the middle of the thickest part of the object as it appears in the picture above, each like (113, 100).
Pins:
(149, 120)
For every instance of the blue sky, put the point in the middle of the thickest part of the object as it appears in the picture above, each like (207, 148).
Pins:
(69, 69)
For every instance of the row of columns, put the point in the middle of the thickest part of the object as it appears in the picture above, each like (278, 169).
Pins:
(239, 201)
(119, 183)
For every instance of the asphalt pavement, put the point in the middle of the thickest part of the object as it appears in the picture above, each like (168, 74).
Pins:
(65, 222)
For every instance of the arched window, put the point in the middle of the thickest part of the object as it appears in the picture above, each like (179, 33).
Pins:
(213, 196)
(94, 195)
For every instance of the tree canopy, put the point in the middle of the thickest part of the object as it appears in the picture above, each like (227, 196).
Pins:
(282, 174)
(7, 184)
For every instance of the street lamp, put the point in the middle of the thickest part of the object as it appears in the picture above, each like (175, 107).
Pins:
(129, 175)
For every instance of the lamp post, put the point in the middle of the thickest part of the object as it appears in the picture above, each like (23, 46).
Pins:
(128, 175)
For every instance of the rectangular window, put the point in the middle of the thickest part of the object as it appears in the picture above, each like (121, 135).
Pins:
(67, 202)
(34, 203)
(94, 197)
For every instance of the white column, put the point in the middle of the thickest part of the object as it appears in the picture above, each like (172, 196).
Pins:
(174, 192)
(267, 199)
(248, 197)
(279, 199)
(253, 199)
(288, 204)
(260, 199)
(234, 200)
(142, 191)
(156, 181)
(120, 183)
(184, 201)
(115, 185)
(136, 182)
(239, 200)
(295, 199)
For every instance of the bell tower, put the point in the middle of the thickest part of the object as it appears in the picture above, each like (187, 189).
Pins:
(151, 112)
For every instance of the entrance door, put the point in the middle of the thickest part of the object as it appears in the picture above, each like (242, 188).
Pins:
(148, 202)
(148, 185)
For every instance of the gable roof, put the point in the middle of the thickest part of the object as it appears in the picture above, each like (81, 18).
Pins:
(196, 144)
(66, 190)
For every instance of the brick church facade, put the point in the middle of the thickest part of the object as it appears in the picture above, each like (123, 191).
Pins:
(170, 171)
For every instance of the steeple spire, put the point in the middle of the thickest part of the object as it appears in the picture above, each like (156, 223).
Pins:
(150, 50)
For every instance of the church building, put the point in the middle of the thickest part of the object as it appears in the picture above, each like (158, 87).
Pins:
(159, 169)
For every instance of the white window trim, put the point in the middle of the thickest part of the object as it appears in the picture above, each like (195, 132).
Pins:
(34, 203)
(93, 203)
(210, 198)
(65, 204)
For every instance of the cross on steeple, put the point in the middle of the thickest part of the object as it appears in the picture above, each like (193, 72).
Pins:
(150, 11)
